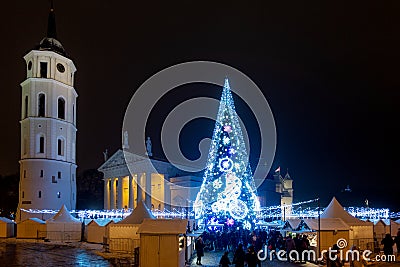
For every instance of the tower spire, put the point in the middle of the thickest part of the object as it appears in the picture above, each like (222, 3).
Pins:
(51, 23)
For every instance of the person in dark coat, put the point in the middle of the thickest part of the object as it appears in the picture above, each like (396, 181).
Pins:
(239, 257)
(290, 245)
(387, 243)
(251, 257)
(397, 241)
(199, 250)
(224, 261)
(330, 259)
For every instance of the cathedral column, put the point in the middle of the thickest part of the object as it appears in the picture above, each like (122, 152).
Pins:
(167, 193)
(106, 193)
(131, 192)
(120, 193)
(112, 195)
(148, 190)
(139, 187)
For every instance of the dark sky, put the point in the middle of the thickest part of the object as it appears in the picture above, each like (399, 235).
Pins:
(328, 70)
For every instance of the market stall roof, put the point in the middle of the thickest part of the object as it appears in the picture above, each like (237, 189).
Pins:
(137, 216)
(6, 220)
(35, 220)
(63, 216)
(336, 210)
(327, 224)
(291, 224)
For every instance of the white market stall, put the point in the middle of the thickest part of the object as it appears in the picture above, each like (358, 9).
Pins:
(122, 236)
(63, 227)
(331, 230)
(6, 227)
(31, 228)
(162, 242)
(361, 232)
(96, 230)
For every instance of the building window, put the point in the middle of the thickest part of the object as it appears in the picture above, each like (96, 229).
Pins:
(58, 194)
(42, 105)
(61, 108)
(73, 113)
(41, 144)
(43, 69)
(24, 173)
(59, 175)
(73, 177)
(26, 106)
(41, 173)
(40, 194)
(60, 147)
(53, 179)
(23, 194)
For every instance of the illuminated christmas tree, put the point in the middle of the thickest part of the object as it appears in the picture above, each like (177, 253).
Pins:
(228, 190)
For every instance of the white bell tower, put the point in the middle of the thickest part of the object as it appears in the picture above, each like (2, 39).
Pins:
(48, 127)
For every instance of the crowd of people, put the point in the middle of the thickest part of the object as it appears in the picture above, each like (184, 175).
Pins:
(246, 244)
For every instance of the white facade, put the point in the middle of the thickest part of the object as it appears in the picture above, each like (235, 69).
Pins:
(125, 187)
(48, 131)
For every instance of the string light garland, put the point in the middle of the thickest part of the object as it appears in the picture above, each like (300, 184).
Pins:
(272, 212)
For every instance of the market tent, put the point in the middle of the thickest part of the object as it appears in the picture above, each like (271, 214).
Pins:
(138, 215)
(6, 227)
(291, 224)
(361, 232)
(63, 226)
(122, 236)
(331, 230)
(327, 224)
(95, 232)
(31, 228)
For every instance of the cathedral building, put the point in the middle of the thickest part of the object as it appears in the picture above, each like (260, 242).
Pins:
(48, 127)
(131, 178)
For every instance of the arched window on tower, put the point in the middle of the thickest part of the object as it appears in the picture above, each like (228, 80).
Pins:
(41, 144)
(40, 194)
(61, 108)
(60, 147)
(43, 69)
(42, 105)
(26, 107)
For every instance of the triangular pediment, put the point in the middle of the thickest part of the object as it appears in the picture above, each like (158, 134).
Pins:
(118, 160)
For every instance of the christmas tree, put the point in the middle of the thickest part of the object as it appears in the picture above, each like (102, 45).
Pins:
(228, 190)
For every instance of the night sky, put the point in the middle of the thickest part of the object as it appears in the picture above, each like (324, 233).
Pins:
(328, 70)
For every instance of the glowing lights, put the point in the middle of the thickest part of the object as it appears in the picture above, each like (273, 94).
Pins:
(225, 164)
(217, 184)
(228, 189)
(238, 209)
(228, 128)
(247, 225)
(230, 221)
(226, 140)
